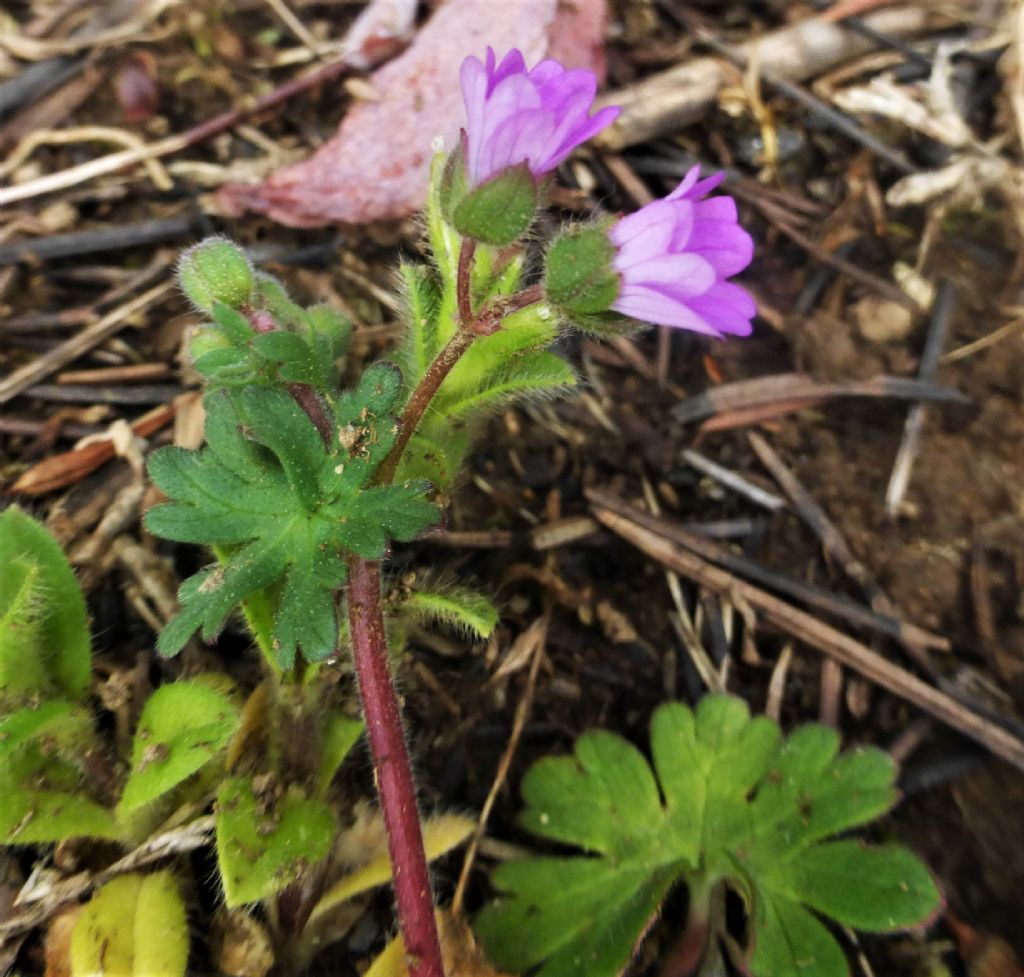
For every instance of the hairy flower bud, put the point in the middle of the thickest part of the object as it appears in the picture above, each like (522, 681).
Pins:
(216, 270)
(578, 273)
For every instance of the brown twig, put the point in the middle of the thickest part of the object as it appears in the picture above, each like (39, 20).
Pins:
(832, 540)
(113, 162)
(942, 314)
(840, 607)
(796, 391)
(24, 377)
(816, 634)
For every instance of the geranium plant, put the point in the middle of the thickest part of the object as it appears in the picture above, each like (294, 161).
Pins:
(299, 493)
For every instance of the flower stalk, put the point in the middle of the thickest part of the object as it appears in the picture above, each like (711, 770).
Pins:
(413, 896)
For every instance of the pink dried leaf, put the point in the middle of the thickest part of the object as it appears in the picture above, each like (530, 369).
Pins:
(375, 167)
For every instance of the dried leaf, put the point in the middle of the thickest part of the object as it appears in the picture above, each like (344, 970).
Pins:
(375, 167)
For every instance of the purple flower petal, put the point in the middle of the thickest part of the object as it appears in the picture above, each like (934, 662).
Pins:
(728, 306)
(673, 258)
(650, 305)
(514, 115)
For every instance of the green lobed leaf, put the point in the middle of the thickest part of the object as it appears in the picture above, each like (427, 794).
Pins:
(182, 728)
(264, 844)
(789, 941)
(874, 889)
(731, 803)
(283, 510)
(293, 356)
(277, 421)
(51, 653)
(235, 326)
(134, 926)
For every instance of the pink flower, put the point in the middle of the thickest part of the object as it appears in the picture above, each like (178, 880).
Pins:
(515, 116)
(673, 258)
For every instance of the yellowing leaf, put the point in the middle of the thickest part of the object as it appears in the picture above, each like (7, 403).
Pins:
(462, 956)
(134, 926)
(440, 836)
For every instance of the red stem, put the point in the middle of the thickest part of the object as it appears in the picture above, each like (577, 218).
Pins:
(420, 401)
(394, 774)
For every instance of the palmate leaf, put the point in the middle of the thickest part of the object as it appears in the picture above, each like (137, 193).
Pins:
(731, 803)
(284, 509)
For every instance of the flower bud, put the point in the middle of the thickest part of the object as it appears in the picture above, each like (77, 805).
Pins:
(578, 273)
(216, 270)
(499, 211)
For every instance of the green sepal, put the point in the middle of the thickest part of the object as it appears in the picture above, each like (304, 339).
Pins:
(452, 184)
(182, 728)
(265, 843)
(330, 332)
(500, 211)
(272, 297)
(578, 274)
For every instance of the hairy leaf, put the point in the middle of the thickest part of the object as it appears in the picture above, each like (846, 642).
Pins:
(44, 781)
(182, 728)
(727, 802)
(264, 843)
(284, 509)
(340, 734)
(44, 633)
(456, 607)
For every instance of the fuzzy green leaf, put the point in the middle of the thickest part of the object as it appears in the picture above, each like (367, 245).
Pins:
(44, 633)
(135, 926)
(284, 509)
(263, 845)
(296, 360)
(43, 777)
(232, 323)
(455, 607)
(182, 728)
(731, 803)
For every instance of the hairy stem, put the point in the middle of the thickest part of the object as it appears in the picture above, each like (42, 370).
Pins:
(436, 373)
(394, 774)
(421, 398)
